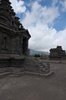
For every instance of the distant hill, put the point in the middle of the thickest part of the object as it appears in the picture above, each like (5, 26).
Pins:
(33, 52)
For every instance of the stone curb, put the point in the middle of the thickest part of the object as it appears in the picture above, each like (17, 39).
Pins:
(32, 73)
(4, 74)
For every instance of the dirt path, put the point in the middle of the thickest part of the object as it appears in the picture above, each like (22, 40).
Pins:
(34, 87)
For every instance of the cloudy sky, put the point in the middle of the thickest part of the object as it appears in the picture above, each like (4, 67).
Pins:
(45, 20)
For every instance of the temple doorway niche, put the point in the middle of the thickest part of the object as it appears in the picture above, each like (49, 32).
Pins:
(25, 46)
(4, 44)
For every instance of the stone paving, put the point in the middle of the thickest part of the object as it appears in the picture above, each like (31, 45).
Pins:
(30, 87)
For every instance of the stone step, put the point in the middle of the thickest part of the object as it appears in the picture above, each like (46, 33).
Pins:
(4, 74)
(39, 74)
(26, 73)
(48, 74)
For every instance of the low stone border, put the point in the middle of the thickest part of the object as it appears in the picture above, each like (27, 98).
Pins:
(32, 73)
(4, 74)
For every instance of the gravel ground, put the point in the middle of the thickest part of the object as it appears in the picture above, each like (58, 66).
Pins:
(34, 87)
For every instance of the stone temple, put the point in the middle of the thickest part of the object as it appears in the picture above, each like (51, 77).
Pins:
(13, 37)
(14, 53)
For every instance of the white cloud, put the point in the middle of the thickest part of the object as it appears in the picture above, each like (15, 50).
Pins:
(37, 22)
(18, 6)
(63, 3)
(55, 2)
(44, 38)
(61, 38)
(40, 14)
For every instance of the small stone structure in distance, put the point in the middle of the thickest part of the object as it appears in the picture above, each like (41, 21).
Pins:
(57, 53)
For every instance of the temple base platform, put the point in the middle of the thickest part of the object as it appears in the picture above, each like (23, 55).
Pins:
(17, 65)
